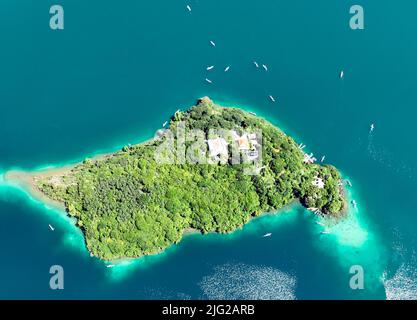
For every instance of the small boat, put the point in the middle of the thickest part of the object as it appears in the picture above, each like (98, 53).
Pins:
(354, 204)
(227, 69)
(252, 113)
(110, 266)
(318, 212)
(210, 68)
(51, 227)
(188, 8)
(320, 223)
(372, 128)
(342, 74)
(349, 183)
(325, 232)
(265, 67)
(209, 81)
(165, 123)
(272, 98)
(309, 158)
(256, 64)
(212, 43)
(322, 158)
(267, 235)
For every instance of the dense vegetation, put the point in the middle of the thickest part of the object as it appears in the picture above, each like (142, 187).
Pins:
(129, 204)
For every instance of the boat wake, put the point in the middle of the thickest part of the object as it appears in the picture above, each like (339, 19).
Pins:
(388, 159)
(248, 282)
(403, 285)
(164, 293)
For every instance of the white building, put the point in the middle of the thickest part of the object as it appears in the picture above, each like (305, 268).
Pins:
(318, 182)
(243, 143)
(217, 146)
(308, 158)
(246, 143)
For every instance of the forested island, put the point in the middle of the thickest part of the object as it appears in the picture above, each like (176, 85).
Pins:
(211, 170)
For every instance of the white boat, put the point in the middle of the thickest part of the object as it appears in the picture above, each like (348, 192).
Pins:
(349, 183)
(309, 158)
(110, 266)
(272, 98)
(227, 69)
(256, 64)
(322, 158)
(325, 232)
(252, 113)
(265, 67)
(267, 235)
(372, 127)
(212, 43)
(188, 7)
(320, 223)
(209, 81)
(210, 68)
(354, 204)
(51, 227)
(165, 123)
(342, 74)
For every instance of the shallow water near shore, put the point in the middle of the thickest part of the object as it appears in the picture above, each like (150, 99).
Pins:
(113, 77)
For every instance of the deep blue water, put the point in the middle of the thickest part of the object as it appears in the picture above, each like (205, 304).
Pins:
(118, 71)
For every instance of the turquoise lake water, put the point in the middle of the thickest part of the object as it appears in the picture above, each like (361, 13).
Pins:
(118, 71)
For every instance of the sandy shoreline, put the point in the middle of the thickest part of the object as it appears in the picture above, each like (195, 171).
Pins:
(27, 180)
